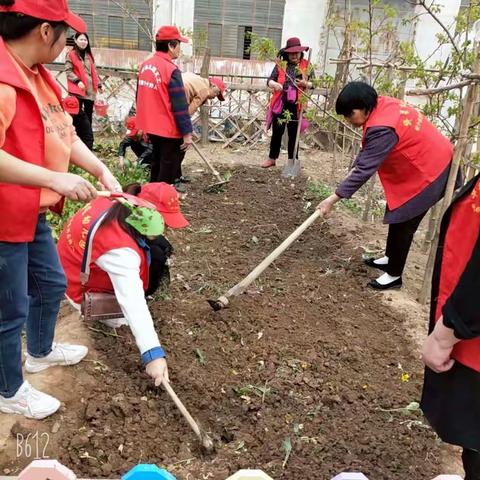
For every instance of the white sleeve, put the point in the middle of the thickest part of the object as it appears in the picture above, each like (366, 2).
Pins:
(123, 268)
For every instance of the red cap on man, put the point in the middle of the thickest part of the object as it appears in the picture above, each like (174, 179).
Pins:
(50, 10)
(131, 124)
(170, 32)
(218, 82)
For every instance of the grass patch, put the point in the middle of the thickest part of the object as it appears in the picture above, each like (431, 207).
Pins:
(320, 191)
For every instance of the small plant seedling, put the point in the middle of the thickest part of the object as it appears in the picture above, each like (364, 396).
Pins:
(287, 448)
(205, 230)
(248, 390)
(201, 357)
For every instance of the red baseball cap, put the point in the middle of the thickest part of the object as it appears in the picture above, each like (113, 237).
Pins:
(50, 10)
(131, 125)
(218, 82)
(170, 32)
(165, 199)
(71, 105)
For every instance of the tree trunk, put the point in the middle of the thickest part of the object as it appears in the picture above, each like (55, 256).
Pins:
(432, 224)
(369, 202)
(341, 73)
(203, 109)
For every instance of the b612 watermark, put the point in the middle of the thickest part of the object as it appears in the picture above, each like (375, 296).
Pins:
(33, 446)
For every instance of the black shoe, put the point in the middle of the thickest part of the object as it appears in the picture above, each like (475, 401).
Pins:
(371, 263)
(378, 286)
(179, 187)
(183, 179)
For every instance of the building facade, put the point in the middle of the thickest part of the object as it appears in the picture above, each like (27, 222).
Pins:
(122, 30)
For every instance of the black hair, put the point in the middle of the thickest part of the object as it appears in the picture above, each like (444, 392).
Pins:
(162, 45)
(356, 96)
(81, 53)
(284, 55)
(14, 26)
(118, 212)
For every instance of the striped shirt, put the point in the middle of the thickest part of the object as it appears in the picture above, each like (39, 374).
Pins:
(178, 100)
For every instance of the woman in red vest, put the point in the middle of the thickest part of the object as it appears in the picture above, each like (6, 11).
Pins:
(162, 108)
(126, 259)
(451, 391)
(82, 81)
(291, 72)
(412, 159)
(37, 143)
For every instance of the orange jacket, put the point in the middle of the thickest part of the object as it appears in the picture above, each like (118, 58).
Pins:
(25, 139)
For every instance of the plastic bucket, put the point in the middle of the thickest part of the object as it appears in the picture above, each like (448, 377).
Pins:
(101, 108)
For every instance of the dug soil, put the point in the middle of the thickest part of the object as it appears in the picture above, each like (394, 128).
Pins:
(305, 375)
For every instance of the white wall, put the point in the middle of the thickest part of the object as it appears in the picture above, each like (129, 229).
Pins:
(427, 28)
(175, 12)
(305, 19)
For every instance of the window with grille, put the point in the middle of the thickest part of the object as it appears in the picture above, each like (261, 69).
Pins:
(121, 24)
(228, 24)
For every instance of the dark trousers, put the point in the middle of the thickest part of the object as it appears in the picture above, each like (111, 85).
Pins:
(167, 158)
(32, 284)
(158, 271)
(471, 464)
(399, 241)
(83, 122)
(278, 129)
(143, 151)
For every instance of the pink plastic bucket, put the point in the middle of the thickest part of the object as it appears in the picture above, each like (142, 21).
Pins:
(101, 107)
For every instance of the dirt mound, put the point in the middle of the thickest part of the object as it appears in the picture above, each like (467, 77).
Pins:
(294, 378)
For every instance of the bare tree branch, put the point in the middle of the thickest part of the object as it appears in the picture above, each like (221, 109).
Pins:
(434, 91)
(471, 76)
(131, 15)
(444, 28)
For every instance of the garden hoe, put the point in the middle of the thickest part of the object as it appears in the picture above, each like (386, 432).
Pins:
(122, 197)
(205, 440)
(222, 301)
(221, 181)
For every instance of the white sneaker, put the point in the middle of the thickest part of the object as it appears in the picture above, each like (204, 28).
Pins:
(30, 402)
(61, 354)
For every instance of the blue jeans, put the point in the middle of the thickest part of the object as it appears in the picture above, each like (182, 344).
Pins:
(32, 285)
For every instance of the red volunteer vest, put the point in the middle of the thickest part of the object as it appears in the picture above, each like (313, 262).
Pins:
(460, 239)
(79, 71)
(420, 156)
(71, 246)
(25, 139)
(303, 66)
(154, 109)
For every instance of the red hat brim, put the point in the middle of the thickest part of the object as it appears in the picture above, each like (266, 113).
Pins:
(296, 49)
(220, 85)
(75, 22)
(174, 220)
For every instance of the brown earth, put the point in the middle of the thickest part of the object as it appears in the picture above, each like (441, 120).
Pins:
(308, 357)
